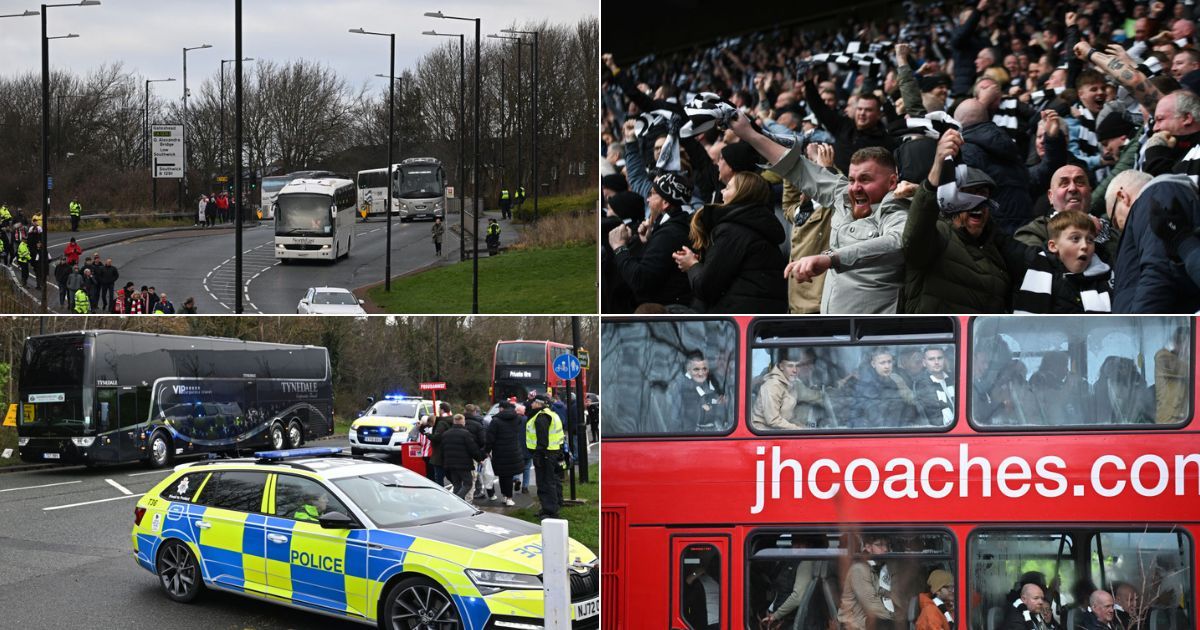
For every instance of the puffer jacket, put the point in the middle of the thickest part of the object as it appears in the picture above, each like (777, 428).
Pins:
(742, 271)
(506, 442)
(990, 149)
(948, 271)
(459, 449)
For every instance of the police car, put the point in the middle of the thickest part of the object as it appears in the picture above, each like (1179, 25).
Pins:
(351, 538)
(385, 426)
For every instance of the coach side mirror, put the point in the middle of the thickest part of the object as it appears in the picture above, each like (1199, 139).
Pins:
(337, 520)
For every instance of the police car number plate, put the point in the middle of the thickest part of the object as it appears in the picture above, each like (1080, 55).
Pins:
(590, 608)
(51, 456)
(372, 439)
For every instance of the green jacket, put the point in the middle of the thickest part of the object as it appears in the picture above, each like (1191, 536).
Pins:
(75, 208)
(947, 271)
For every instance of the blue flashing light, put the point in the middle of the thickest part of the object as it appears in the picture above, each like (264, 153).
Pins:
(384, 430)
(400, 397)
(273, 456)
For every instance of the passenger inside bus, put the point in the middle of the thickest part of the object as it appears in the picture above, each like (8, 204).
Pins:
(701, 591)
(1171, 371)
(698, 398)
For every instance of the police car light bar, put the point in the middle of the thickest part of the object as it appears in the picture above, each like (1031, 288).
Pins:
(400, 397)
(272, 456)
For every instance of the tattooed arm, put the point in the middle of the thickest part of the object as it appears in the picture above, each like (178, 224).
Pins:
(1122, 68)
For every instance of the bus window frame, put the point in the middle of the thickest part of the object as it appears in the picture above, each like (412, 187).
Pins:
(1093, 528)
(858, 530)
(737, 353)
(831, 342)
(969, 365)
(675, 572)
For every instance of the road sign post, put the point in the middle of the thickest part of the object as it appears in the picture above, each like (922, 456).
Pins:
(567, 367)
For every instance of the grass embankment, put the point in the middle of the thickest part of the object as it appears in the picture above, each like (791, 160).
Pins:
(550, 206)
(583, 519)
(542, 280)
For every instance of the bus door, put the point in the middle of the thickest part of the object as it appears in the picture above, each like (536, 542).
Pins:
(700, 577)
(133, 407)
(107, 446)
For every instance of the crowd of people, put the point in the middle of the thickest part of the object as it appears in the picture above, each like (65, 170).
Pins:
(988, 157)
(486, 458)
(86, 284)
(215, 209)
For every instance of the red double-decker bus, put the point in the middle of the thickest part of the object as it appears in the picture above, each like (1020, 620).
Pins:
(521, 366)
(841, 472)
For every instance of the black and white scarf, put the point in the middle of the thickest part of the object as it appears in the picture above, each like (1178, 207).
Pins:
(942, 606)
(934, 123)
(1036, 293)
(1031, 620)
(1037, 98)
(1089, 143)
(1006, 117)
(864, 59)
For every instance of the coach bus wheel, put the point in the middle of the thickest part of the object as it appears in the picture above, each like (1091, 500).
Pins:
(295, 434)
(276, 436)
(160, 450)
(178, 572)
(417, 602)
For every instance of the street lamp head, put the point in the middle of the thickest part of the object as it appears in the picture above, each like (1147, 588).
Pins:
(89, 3)
(430, 33)
(358, 31)
(434, 14)
(67, 36)
(30, 13)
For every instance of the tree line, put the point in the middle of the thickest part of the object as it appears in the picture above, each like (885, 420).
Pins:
(300, 115)
(368, 356)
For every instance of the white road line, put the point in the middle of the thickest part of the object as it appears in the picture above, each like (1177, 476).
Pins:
(118, 486)
(152, 472)
(47, 485)
(71, 505)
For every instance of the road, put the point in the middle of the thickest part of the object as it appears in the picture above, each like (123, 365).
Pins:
(199, 263)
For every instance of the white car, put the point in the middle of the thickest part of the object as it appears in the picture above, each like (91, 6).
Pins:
(385, 426)
(330, 301)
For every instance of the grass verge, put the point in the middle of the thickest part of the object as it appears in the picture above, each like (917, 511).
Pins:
(548, 206)
(583, 519)
(544, 280)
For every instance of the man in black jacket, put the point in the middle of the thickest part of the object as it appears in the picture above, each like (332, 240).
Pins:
(645, 262)
(506, 447)
(107, 276)
(865, 130)
(460, 451)
(479, 432)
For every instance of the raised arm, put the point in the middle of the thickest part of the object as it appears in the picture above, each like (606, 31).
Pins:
(1118, 65)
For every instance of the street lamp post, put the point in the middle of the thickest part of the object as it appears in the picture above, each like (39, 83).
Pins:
(222, 163)
(519, 43)
(146, 128)
(534, 116)
(46, 139)
(478, 201)
(462, 141)
(183, 188)
(387, 272)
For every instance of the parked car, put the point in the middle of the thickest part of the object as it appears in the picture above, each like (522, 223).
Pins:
(329, 301)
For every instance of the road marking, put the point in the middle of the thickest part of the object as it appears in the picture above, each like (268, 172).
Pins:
(47, 485)
(118, 486)
(71, 505)
(152, 472)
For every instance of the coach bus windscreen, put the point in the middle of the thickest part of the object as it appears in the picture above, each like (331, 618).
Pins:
(424, 182)
(672, 377)
(1096, 371)
(852, 374)
(52, 375)
(303, 214)
(271, 185)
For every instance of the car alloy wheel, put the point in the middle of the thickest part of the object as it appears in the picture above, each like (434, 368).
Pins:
(417, 603)
(178, 572)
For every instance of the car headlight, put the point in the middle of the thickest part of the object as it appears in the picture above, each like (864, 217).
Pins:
(22, 441)
(489, 582)
(83, 442)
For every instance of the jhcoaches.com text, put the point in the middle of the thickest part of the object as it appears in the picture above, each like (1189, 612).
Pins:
(1147, 475)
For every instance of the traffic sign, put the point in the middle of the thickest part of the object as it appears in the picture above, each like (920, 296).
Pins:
(438, 385)
(567, 367)
(166, 149)
(10, 418)
(221, 179)
(449, 192)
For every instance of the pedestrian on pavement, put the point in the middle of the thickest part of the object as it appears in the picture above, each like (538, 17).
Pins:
(62, 272)
(544, 437)
(223, 207)
(505, 445)
(460, 451)
(90, 286)
(210, 210)
(505, 204)
(39, 262)
(23, 258)
(73, 283)
(72, 251)
(107, 275)
(493, 237)
(76, 210)
(200, 209)
(442, 422)
(437, 231)
(151, 300)
(189, 306)
(163, 306)
(475, 426)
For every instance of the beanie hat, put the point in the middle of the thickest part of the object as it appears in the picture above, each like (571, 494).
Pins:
(939, 579)
(628, 205)
(741, 157)
(614, 182)
(928, 83)
(1112, 126)
(674, 188)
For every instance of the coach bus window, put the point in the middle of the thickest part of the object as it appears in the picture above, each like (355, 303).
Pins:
(811, 580)
(673, 377)
(701, 590)
(1148, 576)
(1060, 371)
(849, 374)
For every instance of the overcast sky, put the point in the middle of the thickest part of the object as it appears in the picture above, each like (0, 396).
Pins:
(148, 35)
